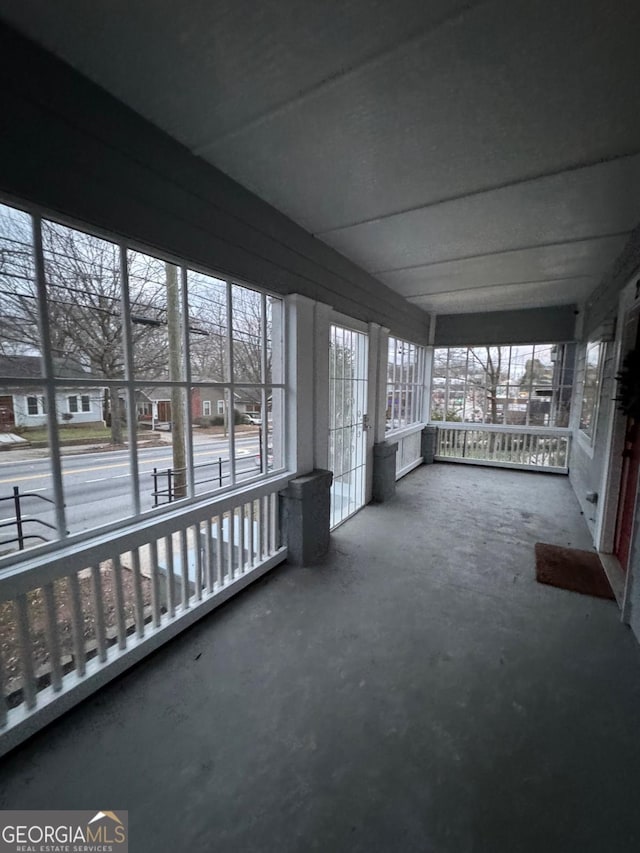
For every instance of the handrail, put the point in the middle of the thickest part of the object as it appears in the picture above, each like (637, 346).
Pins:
(510, 428)
(71, 555)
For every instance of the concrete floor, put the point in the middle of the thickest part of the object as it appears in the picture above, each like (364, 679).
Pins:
(418, 692)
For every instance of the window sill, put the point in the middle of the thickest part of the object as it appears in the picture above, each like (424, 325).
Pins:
(402, 432)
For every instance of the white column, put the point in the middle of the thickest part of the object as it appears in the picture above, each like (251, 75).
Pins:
(376, 396)
(322, 314)
(300, 358)
(379, 346)
(428, 368)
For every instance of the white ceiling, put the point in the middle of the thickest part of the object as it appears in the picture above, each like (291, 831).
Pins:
(472, 155)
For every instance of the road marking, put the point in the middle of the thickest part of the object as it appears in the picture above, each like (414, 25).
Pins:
(111, 467)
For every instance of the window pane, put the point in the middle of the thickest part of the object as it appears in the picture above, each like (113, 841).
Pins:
(251, 417)
(247, 335)
(19, 335)
(23, 411)
(591, 388)
(162, 459)
(211, 439)
(207, 304)
(82, 274)
(156, 318)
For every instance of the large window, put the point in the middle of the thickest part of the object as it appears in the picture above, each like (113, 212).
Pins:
(591, 388)
(514, 385)
(89, 325)
(405, 384)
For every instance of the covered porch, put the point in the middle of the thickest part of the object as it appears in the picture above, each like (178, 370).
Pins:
(417, 691)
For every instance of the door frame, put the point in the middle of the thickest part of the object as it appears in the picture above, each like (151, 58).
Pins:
(628, 317)
(334, 318)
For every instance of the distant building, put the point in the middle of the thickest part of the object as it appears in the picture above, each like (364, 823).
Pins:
(27, 407)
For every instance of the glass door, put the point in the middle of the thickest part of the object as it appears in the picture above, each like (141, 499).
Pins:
(348, 356)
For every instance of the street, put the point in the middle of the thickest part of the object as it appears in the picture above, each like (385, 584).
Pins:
(97, 486)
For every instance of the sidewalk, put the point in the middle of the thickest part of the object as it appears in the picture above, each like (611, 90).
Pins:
(155, 439)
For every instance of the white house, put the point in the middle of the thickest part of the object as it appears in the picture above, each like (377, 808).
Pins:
(27, 407)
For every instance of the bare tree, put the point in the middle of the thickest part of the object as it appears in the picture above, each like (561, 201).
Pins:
(490, 361)
(84, 304)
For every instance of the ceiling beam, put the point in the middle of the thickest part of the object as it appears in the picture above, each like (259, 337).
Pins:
(530, 179)
(525, 248)
(367, 62)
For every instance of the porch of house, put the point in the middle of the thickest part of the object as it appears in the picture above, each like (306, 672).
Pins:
(419, 691)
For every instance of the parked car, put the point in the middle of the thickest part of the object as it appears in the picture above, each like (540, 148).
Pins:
(256, 420)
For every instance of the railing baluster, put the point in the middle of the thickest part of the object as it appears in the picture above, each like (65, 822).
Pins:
(26, 652)
(53, 641)
(210, 558)
(156, 611)
(273, 500)
(265, 523)
(137, 593)
(231, 543)
(77, 620)
(219, 551)
(171, 590)
(267, 527)
(96, 588)
(119, 602)
(184, 574)
(197, 545)
(259, 530)
(241, 560)
(251, 554)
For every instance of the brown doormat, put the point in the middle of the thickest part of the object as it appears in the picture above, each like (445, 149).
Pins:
(569, 568)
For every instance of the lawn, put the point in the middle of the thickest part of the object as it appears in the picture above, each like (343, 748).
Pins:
(89, 432)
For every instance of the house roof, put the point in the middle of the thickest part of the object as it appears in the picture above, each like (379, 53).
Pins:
(30, 367)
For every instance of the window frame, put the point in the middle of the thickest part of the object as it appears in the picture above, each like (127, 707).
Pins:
(405, 380)
(206, 408)
(37, 412)
(588, 436)
(464, 384)
(54, 385)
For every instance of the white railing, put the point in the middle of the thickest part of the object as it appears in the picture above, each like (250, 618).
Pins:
(73, 619)
(409, 454)
(537, 448)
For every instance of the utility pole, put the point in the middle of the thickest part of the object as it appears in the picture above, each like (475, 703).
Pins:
(175, 374)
